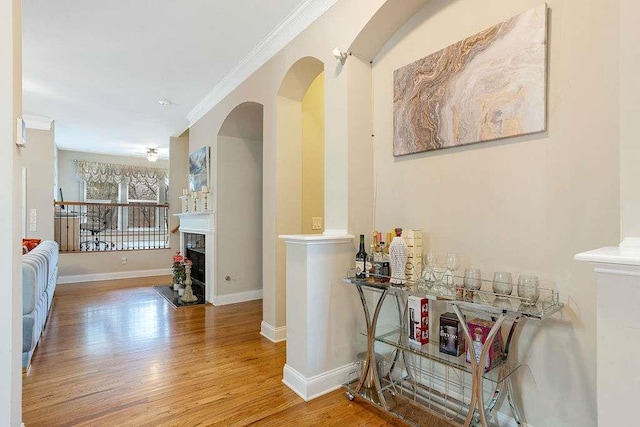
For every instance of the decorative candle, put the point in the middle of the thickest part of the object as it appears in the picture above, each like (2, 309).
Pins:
(205, 189)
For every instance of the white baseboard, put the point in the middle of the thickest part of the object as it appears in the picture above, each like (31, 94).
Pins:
(316, 386)
(272, 333)
(237, 297)
(95, 277)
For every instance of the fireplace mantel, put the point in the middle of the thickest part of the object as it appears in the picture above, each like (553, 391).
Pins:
(196, 222)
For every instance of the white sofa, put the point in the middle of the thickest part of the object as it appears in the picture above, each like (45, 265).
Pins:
(39, 277)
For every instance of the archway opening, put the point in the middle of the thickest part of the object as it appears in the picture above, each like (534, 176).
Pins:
(300, 163)
(238, 273)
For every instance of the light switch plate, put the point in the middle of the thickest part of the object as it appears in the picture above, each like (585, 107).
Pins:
(316, 223)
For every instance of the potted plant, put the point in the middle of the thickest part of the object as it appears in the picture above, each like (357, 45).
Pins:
(178, 270)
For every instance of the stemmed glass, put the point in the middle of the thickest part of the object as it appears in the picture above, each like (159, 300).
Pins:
(453, 263)
(428, 273)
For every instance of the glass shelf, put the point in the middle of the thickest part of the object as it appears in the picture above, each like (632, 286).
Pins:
(431, 351)
(481, 301)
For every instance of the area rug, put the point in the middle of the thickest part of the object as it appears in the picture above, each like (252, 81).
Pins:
(172, 296)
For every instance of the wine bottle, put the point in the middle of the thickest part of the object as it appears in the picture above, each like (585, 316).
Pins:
(361, 260)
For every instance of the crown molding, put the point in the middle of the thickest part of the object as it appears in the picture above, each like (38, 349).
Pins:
(36, 122)
(296, 22)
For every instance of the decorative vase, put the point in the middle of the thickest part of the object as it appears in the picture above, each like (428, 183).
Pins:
(398, 257)
(176, 285)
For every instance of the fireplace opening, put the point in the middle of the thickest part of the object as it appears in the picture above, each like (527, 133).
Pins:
(195, 250)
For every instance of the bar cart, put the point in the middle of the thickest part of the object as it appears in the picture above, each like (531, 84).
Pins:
(421, 380)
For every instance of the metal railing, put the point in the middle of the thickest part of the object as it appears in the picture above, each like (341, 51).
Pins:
(99, 227)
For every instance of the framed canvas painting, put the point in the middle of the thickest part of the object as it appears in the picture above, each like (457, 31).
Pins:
(489, 86)
(199, 169)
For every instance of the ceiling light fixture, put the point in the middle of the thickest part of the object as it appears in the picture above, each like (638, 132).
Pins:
(165, 103)
(340, 55)
(152, 154)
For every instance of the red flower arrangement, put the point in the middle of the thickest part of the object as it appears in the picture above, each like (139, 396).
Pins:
(177, 268)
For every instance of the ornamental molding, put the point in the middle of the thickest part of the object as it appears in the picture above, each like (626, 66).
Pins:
(296, 22)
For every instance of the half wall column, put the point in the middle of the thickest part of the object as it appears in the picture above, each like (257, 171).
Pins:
(617, 271)
(321, 314)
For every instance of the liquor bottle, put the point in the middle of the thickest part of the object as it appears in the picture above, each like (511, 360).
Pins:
(361, 260)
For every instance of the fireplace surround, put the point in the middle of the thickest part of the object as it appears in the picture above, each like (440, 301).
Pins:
(197, 243)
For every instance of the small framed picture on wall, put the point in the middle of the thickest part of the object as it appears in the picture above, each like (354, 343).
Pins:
(199, 169)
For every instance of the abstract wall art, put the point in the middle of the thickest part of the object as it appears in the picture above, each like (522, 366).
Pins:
(488, 86)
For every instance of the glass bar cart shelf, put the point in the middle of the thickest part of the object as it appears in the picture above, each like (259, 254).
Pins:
(427, 381)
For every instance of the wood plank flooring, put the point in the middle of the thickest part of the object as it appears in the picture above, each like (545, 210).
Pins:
(116, 353)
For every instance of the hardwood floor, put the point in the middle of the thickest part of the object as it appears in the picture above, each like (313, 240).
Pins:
(116, 353)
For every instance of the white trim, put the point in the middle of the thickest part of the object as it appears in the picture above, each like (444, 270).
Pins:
(627, 253)
(617, 271)
(316, 239)
(272, 333)
(296, 22)
(36, 122)
(335, 232)
(318, 385)
(236, 297)
(95, 277)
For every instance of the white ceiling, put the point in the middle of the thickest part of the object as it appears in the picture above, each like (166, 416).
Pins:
(100, 68)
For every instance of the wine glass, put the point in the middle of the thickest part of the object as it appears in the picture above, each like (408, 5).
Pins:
(502, 283)
(428, 273)
(453, 263)
(472, 281)
(528, 289)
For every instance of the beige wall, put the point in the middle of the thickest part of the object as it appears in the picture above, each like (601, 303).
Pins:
(313, 154)
(360, 154)
(629, 125)
(38, 159)
(524, 204)
(338, 27)
(239, 216)
(178, 180)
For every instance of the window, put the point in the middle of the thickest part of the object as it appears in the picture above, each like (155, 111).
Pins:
(101, 192)
(141, 191)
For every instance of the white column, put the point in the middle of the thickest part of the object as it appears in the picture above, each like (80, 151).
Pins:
(322, 312)
(618, 330)
(10, 213)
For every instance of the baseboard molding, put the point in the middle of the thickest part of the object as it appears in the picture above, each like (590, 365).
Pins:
(96, 277)
(237, 297)
(272, 333)
(318, 385)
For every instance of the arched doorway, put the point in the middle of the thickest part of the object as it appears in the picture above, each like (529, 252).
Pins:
(300, 171)
(238, 172)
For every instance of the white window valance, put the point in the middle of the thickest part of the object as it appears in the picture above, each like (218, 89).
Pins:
(116, 174)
